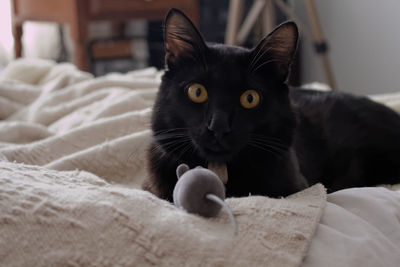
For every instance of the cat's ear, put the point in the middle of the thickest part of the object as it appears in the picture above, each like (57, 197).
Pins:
(277, 49)
(182, 40)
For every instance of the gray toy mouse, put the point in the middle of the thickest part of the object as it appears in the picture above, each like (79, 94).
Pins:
(200, 191)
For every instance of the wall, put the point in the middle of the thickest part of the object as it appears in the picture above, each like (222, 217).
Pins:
(364, 37)
(6, 42)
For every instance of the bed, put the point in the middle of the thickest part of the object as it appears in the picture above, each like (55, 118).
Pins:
(72, 158)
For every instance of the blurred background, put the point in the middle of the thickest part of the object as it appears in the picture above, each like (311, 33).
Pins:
(362, 36)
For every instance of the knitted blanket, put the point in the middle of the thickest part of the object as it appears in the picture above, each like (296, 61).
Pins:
(54, 218)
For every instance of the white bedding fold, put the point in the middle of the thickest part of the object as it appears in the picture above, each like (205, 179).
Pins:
(360, 227)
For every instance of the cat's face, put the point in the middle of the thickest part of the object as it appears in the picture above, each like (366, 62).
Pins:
(216, 100)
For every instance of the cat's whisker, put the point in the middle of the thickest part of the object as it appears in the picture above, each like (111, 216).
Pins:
(185, 149)
(170, 130)
(168, 136)
(172, 133)
(255, 145)
(167, 145)
(277, 149)
(172, 144)
(164, 149)
(181, 147)
(172, 141)
(270, 148)
(271, 144)
(173, 138)
(269, 139)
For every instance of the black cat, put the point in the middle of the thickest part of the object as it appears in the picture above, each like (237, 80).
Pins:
(229, 104)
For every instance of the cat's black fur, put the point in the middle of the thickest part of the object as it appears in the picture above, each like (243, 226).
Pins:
(329, 137)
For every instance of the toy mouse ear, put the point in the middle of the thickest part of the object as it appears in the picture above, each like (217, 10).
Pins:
(181, 170)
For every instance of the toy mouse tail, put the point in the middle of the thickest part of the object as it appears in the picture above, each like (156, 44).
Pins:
(219, 201)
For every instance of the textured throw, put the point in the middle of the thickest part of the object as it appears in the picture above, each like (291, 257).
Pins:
(53, 218)
(72, 157)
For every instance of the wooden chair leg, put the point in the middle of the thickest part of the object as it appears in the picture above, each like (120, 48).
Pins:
(269, 17)
(79, 36)
(17, 31)
(80, 55)
(251, 18)
(234, 17)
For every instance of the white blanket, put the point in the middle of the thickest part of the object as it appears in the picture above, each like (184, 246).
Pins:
(360, 227)
(76, 122)
(72, 157)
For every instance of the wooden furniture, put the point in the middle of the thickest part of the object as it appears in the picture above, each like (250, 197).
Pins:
(79, 13)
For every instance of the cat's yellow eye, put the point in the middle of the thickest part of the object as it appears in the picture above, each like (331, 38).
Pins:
(197, 93)
(250, 99)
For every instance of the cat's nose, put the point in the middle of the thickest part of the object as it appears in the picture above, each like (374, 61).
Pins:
(219, 124)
